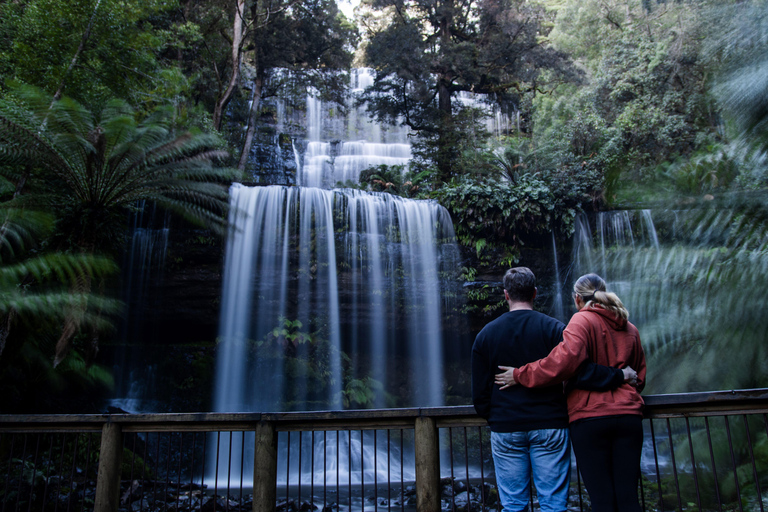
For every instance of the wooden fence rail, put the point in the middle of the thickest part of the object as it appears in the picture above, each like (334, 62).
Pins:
(425, 423)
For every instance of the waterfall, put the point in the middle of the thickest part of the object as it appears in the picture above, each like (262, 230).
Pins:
(332, 297)
(558, 309)
(282, 284)
(312, 274)
(341, 147)
(144, 266)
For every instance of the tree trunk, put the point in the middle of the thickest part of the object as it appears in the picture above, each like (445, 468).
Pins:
(445, 145)
(253, 117)
(80, 49)
(237, 44)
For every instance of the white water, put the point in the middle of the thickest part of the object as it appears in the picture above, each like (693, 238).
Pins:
(341, 147)
(283, 255)
(328, 293)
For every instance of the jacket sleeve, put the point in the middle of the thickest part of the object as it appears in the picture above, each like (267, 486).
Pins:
(640, 362)
(482, 381)
(596, 377)
(561, 364)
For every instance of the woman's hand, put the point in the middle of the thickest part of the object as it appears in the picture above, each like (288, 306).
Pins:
(630, 375)
(505, 379)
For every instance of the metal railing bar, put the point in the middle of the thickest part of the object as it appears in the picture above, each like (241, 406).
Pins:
(578, 485)
(301, 440)
(349, 466)
(59, 473)
(530, 490)
(10, 466)
(205, 456)
(242, 464)
(325, 469)
(674, 465)
(178, 479)
(72, 471)
(693, 464)
(288, 472)
(47, 474)
(216, 474)
(482, 472)
(34, 473)
(338, 484)
(375, 473)
(21, 475)
(362, 472)
(192, 467)
(656, 462)
(312, 473)
(144, 470)
(167, 468)
(714, 468)
(451, 460)
(133, 464)
(229, 471)
(87, 466)
(402, 469)
(754, 465)
(733, 461)
(466, 461)
(389, 469)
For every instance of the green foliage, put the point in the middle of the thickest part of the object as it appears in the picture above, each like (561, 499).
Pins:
(495, 218)
(698, 300)
(431, 51)
(392, 179)
(361, 393)
(93, 168)
(40, 38)
(645, 103)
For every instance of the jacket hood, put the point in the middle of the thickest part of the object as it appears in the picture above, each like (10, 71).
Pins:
(614, 321)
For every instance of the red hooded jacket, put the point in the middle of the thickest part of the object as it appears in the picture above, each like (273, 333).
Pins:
(594, 334)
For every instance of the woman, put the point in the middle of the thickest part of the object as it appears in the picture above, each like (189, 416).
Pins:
(606, 426)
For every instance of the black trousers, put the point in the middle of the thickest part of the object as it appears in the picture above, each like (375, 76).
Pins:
(608, 454)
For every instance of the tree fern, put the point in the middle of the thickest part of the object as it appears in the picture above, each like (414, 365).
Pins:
(89, 170)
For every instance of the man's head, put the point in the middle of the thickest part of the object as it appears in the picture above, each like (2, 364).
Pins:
(520, 284)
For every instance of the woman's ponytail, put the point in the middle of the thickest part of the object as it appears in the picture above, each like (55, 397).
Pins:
(591, 288)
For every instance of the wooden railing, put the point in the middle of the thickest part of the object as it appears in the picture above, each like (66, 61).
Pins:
(17, 453)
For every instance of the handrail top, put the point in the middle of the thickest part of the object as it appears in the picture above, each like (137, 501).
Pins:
(757, 396)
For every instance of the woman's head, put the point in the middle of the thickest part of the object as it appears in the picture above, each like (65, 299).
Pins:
(590, 288)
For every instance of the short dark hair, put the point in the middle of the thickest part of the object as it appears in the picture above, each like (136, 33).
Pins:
(520, 284)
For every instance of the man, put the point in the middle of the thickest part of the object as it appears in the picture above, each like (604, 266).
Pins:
(529, 427)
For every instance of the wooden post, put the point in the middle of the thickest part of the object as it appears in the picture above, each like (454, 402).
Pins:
(427, 465)
(265, 468)
(110, 468)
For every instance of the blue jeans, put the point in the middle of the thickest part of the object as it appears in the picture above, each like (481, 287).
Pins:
(545, 453)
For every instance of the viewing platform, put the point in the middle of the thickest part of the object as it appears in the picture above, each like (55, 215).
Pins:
(703, 451)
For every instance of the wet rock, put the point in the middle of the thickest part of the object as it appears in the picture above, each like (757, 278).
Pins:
(142, 504)
(307, 507)
(286, 506)
(214, 503)
(133, 493)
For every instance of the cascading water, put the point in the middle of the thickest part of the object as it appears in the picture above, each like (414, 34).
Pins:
(338, 151)
(144, 266)
(311, 274)
(332, 298)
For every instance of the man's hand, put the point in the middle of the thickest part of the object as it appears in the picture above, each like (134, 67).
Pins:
(630, 375)
(506, 379)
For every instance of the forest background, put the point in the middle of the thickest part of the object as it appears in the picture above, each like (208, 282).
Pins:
(617, 104)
